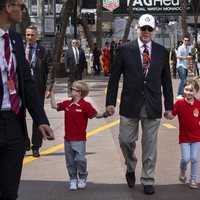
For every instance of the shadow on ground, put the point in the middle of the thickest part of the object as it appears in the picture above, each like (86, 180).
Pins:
(58, 190)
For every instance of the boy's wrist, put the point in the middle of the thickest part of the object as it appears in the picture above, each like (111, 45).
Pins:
(105, 114)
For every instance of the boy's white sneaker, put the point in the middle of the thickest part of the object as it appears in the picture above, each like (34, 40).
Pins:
(73, 185)
(82, 183)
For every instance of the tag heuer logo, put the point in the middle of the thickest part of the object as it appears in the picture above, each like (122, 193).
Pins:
(111, 4)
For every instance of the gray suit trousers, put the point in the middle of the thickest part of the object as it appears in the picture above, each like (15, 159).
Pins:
(128, 135)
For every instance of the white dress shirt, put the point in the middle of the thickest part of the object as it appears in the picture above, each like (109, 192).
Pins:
(3, 67)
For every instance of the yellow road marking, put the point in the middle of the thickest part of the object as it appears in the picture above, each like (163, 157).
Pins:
(105, 91)
(43, 153)
(102, 128)
(166, 125)
(169, 126)
(61, 146)
(90, 133)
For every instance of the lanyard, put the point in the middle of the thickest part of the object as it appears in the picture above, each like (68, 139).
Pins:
(32, 61)
(7, 65)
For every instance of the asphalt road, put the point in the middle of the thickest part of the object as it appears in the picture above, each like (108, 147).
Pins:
(46, 178)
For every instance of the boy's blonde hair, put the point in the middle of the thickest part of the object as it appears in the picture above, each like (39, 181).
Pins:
(194, 83)
(82, 87)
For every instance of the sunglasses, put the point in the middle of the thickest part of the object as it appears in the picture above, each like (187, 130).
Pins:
(74, 42)
(73, 89)
(146, 28)
(22, 6)
(186, 40)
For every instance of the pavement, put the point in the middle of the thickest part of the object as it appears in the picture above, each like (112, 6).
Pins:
(46, 178)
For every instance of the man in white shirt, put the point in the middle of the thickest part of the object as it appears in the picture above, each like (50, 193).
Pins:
(75, 62)
(183, 64)
(146, 73)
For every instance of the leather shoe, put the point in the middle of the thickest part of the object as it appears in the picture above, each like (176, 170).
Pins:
(36, 153)
(130, 178)
(149, 189)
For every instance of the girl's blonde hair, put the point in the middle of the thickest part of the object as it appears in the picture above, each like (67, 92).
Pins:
(194, 83)
(82, 87)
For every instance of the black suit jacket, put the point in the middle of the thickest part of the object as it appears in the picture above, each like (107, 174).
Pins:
(43, 70)
(26, 86)
(70, 62)
(174, 56)
(136, 89)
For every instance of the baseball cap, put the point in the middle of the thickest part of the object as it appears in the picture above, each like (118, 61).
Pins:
(146, 20)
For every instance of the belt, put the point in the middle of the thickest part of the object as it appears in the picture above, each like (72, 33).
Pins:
(7, 114)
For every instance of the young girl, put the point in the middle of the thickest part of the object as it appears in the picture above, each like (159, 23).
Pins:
(77, 112)
(188, 111)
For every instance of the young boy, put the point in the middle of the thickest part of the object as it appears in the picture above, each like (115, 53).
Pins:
(77, 112)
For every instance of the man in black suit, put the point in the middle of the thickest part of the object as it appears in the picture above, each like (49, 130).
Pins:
(146, 75)
(96, 59)
(41, 65)
(17, 93)
(75, 62)
(174, 60)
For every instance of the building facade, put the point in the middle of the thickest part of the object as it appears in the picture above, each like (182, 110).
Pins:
(44, 14)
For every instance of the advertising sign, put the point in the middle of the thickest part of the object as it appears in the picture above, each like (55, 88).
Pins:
(49, 26)
(156, 6)
(111, 4)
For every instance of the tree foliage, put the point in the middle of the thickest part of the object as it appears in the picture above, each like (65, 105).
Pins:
(66, 12)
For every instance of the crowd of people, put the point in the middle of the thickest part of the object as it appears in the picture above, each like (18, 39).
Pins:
(27, 78)
(100, 59)
(185, 57)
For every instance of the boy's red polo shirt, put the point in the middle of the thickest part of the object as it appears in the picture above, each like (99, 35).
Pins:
(189, 119)
(76, 118)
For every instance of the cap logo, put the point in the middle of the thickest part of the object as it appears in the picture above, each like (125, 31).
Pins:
(147, 19)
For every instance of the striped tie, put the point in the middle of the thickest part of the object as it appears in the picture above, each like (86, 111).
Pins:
(14, 98)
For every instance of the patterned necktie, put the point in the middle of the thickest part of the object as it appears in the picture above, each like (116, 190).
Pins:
(146, 59)
(14, 98)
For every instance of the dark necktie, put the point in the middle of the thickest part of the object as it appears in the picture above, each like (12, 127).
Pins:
(77, 57)
(30, 54)
(146, 59)
(14, 98)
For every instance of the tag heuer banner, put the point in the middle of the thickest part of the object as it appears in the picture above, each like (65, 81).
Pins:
(160, 6)
(111, 4)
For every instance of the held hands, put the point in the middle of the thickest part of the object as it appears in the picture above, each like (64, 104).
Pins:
(168, 114)
(106, 114)
(46, 131)
(110, 110)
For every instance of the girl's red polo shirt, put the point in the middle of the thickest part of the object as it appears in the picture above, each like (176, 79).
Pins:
(189, 119)
(76, 118)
